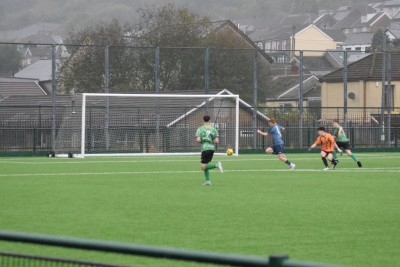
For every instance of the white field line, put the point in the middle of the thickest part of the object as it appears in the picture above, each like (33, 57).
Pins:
(186, 159)
(345, 170)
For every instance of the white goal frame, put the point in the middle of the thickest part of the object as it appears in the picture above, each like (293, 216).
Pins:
(208, 97)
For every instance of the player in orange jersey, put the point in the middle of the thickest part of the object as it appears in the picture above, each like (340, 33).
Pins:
(328, 145)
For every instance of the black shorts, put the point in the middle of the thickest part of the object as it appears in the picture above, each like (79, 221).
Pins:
(327, 153)
(206, 156)
(343, 145)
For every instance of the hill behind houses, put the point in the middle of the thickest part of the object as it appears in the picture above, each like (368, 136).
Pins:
(74, 15)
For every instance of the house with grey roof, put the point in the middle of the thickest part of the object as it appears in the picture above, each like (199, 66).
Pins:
(358, 41)
(337, 57)
(394, 27)
(364, 89)
(278, 42)
(362, 18)
(314, 65)
(20, 87)
(277, 38)
(41, 70)
(284, 92)
(325, 21)
(391, 7)
(39, 46)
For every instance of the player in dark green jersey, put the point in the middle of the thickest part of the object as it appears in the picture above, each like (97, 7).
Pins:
(343, 142)
(208, 137)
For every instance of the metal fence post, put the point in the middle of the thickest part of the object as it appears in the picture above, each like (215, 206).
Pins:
(35, 131)
(383, 88)
(157, 71)
(255, 97)
(53, 97)
(157, 88)
(345, 89)
(389, 97)
(301, 79)
(206, 71)
(106, 90)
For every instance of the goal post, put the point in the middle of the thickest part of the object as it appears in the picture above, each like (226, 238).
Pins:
(146, 124)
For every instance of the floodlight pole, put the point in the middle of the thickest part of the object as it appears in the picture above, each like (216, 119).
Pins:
(53, 97)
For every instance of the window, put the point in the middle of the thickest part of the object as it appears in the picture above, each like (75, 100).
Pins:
(273, 45)
(279, 45)
(358, 48)
(281, 59)
(284, 44)
(267, 46)
(285, 107)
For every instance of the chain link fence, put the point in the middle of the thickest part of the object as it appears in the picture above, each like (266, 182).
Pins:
(41, 83)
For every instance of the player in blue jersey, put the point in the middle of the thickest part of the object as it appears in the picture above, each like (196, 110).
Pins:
(278, 146)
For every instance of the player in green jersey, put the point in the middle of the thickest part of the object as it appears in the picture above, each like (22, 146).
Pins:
(208, 137)
(343, 142)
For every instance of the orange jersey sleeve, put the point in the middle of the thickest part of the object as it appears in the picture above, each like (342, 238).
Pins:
(327, 142)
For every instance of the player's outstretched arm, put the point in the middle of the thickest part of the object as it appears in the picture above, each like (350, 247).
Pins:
(262, 133)
(338, 148)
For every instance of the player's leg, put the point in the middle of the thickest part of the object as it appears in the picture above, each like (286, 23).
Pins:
(279, 150)
(352, 155)
(211, 165)
(206, 157)
(206, 165)
(335, 154)
(332, 159)
(269, 150)
(341, 146)
(323, 157)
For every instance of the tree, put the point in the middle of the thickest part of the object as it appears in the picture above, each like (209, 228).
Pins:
(83, 71)
(377, 41)
(169, 43)
(178, 32)
(132, 52)
(168, 25)
(396, 45)
(10, 59)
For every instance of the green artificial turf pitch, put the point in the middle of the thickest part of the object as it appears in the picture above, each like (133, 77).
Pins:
(347, 216)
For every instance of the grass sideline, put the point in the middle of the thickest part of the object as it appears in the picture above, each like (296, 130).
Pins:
(348, 216)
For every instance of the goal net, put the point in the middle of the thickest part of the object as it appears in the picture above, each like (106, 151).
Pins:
(145, 124)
